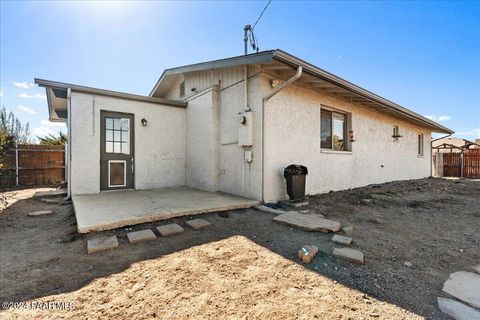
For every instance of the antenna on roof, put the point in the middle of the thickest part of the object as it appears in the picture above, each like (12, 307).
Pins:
(249, 35)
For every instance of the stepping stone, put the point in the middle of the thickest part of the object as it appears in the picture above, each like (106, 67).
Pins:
(348, 254)
(342, 240)
(169, 229)
(197, 224)
(464, 286)
(308, 222)
(263, 208)
(457, 310)
(140, 236)
(39, 213)
(52, 201)
(101, 244)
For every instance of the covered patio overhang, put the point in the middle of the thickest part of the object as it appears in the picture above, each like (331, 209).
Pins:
(115, 209)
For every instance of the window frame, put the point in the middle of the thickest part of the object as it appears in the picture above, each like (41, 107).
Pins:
(181, 89)
(347, 149)
(420, 145)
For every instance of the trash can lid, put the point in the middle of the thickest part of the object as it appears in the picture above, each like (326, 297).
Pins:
(295, 170)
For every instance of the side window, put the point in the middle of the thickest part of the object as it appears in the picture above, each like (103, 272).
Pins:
(396, 133)
(326, 129)
(333, 130)
(182, 89)
(420, 145)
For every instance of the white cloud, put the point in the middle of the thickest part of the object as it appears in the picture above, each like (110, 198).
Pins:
(1, 94)
(444, 118)
(473, 132)
(52, 124)
(29, 96)
(46, 127)
(23, 85)
(439, 119)
(26, 109)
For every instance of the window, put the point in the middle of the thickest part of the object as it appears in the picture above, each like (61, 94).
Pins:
(420, 145)
(333, 133)
(117, 135)
(182, 89)
(396, 133)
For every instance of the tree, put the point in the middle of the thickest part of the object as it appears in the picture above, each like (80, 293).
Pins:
(12, 131)
(51, 139)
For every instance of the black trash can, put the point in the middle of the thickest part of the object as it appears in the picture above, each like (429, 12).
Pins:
(295, 176)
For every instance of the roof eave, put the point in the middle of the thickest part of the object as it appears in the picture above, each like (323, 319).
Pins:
(284, 57)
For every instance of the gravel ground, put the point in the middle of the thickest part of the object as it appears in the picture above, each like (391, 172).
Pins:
(245, 265)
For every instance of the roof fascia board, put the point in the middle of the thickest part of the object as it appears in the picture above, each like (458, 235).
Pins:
(315, 71)
(109, 93)
(254, 58)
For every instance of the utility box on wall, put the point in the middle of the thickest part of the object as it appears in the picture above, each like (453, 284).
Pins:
(245, 130)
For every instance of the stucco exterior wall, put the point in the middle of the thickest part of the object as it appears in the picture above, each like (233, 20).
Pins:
(215, 160)
(159, 147)
(202, 141)
(292, 129)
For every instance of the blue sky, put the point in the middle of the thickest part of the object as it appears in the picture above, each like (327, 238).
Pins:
(422, 55)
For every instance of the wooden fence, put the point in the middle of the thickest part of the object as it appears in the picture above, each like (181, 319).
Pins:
(34, 165)
(465, 165)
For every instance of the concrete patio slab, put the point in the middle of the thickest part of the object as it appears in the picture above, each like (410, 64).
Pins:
(110, 210)
(101, 244)
(198, 224)
(140, 236)
(169, 229)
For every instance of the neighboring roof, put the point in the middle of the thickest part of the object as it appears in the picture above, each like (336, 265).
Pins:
(57, 97)
(324, 79)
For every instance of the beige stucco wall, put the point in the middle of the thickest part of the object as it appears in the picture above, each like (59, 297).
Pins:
(159, 147)
(215, 160)
(293, 136)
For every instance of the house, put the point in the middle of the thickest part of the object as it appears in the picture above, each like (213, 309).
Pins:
(233, 124)
(453, 144)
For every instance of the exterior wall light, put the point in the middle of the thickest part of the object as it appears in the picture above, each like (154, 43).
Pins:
(275, 83)
(144, 122)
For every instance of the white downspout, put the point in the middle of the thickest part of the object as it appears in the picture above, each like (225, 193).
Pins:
(266, 97)
(69, 143)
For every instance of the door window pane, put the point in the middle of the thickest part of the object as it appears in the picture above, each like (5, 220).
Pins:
(125, 148)
(109, 147)
(116, 173)
(109, 123)
(117, 135)
(125, 136)
(339, 131)
(124, 124)
(116, 124)
(326, 129)
(117, 147)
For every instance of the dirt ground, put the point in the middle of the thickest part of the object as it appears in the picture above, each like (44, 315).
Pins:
(245, 265)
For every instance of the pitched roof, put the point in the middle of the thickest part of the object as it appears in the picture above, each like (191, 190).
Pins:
(276, 60)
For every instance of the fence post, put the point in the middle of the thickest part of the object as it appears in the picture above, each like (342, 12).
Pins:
(461, 164)
(16, 164)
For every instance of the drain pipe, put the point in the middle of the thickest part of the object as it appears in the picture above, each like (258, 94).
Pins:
(69, 144)
(264, 104)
